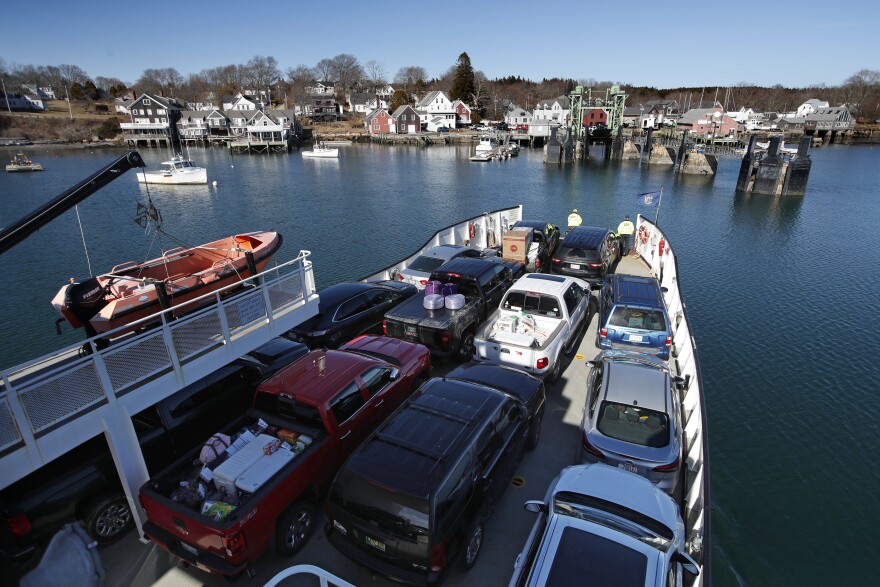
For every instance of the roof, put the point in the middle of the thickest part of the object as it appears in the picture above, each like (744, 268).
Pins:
(695, 114)
(419, 443)
(401, 109)
(466, 266)
(445, 252)
(641, 384)
(428, 98)
(585, 237)
(632, 289)
(316, 376)
(543, 283)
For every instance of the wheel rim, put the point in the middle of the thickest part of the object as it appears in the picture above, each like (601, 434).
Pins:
(299, 528)
(467, 347)
(112, 520)
(473, 547)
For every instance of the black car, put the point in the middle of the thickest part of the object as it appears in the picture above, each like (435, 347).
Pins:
(547, 237)
(347, 310)
(415, 496)
(587, 252)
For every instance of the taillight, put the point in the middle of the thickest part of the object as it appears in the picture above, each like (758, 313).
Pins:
(437, 557)
(445, 337)
(668, 341)
(668, 468)
(597, 265)
(555, 260)
(385, 327)
(537, 263)
(603, 332)
(19, 525)
(542, 362)
(424, 282)
(590, 448)
(234, 544)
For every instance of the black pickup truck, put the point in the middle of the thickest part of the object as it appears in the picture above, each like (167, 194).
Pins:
(84, 485)
(450, 333)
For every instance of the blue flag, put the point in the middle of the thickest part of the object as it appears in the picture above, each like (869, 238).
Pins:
(651, 199)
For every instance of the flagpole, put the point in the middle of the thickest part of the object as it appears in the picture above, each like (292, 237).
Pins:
(657, 215)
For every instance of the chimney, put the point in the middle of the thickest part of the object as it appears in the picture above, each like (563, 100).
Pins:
(377, 100)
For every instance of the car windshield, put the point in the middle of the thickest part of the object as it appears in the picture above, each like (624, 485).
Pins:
(577, 253)
(634, 424)
(426, 264)
(465, 287)
(613, 515)
(639, 318)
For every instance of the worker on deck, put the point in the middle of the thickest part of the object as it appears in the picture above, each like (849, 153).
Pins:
(625, 231)
(574, 219)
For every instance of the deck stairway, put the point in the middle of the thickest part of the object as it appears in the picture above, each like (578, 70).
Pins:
(54, 403)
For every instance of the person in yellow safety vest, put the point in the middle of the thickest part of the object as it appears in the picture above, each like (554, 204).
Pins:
(625, 231)
(574, 219)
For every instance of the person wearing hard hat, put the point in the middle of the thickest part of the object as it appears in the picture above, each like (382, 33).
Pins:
(625, 231)
(574, 219)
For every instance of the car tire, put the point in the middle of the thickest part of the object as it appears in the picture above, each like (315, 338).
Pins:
(294, 527)
(472, 547)
(534, 432)
(466, 347)
(108, 518)
(557, 369)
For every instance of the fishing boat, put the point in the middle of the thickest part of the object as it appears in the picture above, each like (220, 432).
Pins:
(22, 163)
(487, 143)
(131, 291)
(178, 171)
(320, 150)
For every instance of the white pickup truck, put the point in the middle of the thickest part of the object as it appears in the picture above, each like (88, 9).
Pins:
(540, 318)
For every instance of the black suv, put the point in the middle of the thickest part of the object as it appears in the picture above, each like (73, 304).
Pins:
(417, 493)
(83, 484)
(587, 252)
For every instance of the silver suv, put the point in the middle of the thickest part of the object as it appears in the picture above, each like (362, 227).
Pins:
(632, 417)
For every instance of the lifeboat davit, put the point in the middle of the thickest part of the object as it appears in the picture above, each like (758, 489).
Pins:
(132, 291)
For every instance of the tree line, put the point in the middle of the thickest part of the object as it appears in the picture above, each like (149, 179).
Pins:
(486, 97)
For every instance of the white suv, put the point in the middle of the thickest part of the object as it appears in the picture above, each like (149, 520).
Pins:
(604, 526)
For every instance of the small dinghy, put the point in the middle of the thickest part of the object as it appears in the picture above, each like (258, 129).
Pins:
(132, 291)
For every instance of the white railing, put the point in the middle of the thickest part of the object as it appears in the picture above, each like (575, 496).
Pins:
(325, 579)
(684, 360)
(487, 231)
(52, 404)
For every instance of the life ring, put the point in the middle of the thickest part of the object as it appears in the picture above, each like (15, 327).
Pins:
(644, 233)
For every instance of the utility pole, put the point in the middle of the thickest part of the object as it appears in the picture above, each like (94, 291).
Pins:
(69, 107)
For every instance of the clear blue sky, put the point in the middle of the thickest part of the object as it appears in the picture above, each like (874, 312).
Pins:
(661, 44)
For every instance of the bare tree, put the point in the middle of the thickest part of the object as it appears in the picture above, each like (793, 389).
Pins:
(346, 71)
(72, 74)
(324, 71)
(375, 75)
(262, 72)
(299, 78)
(862, 92)
(409, 78)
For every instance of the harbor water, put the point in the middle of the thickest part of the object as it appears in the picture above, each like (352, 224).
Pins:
(778, 291)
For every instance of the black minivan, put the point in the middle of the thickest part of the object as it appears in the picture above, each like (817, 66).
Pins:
(417, 493)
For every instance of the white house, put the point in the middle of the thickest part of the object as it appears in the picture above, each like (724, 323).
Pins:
(435, 110)
(809, 107)
(22, 102)
(241, 101)
(555, 109)
(366, 102)
(516, 116)
(321, 88)
(41, 92)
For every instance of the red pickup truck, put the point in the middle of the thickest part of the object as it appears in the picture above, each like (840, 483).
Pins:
(318, 409)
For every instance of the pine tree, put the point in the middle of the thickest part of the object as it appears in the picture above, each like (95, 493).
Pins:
(463, 87)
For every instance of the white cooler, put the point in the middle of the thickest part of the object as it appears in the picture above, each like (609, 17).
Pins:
(234, 467)
(263, 470)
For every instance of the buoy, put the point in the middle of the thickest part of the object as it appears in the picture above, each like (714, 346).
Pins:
(233, 166)
(214, 183)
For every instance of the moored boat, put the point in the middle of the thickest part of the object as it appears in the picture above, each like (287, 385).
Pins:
(487, 144)
(177, 171)
(320, 150)
(131, 291)
(23, 163)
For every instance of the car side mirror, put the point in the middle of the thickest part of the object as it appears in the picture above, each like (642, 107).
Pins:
(395, 373)
(664, 289)
(687, 563)
(594, 363)
(535, 506)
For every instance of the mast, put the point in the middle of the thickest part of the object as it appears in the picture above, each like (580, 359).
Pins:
(30, 223)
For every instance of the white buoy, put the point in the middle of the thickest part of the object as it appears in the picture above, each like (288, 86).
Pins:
(214, 183)
(233, 166)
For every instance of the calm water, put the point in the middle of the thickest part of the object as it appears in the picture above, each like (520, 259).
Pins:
(776, 290)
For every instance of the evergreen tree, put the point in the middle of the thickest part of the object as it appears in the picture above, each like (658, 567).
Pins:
(398, 99)
(463, 87)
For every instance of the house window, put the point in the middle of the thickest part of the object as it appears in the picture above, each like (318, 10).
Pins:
(147, 102)
(160, 111)
(149, 111)
(162, 120)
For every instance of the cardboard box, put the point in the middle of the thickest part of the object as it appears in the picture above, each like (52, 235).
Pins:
(515, 244)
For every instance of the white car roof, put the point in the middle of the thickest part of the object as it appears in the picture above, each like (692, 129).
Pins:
(620, 487)
(544, 283)
(446, 252)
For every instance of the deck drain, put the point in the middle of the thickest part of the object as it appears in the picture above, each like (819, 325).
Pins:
(579, 357)
(517, 481)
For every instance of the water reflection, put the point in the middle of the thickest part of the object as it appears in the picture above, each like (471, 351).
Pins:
(778, 213)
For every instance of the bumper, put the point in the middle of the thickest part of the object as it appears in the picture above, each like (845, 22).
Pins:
(204, 560)
(377, 565)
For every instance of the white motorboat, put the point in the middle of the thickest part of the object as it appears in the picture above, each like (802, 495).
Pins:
(321, 151)
(487, 143)
(177, 171)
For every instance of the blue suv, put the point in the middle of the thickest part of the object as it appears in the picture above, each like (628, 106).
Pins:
(632, 316)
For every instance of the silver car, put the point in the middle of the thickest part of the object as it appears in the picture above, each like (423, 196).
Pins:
(419, 271)
(603, 526)
(632, 417)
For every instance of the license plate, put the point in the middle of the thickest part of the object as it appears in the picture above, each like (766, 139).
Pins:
(411, 331)
(573, 266)
(375, 543)
(626, 467)
(190, 549)
(635, 338)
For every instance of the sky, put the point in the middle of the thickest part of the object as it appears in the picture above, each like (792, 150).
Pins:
(657, 44)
